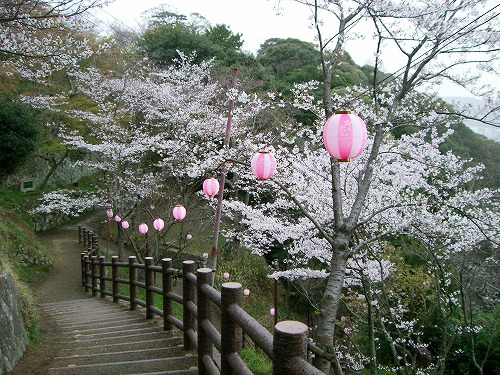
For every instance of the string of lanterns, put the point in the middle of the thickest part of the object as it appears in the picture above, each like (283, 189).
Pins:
(344, 137)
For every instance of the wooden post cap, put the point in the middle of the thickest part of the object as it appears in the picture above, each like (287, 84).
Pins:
(291, 327)
(231, 285)
(204, 270)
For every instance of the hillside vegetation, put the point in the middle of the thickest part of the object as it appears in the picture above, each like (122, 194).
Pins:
(23, 256)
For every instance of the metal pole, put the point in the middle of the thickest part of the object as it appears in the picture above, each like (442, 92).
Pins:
(222, 180)
(276, 268)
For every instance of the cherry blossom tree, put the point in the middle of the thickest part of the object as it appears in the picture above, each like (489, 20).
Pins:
(329, 211)
(38, 37)
(155, 134)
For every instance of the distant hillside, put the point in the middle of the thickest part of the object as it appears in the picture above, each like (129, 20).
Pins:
(490, 132)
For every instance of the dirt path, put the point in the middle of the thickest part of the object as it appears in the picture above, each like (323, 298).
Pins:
(62, 284)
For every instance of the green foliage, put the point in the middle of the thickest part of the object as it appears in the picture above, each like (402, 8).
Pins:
(23, 256)
(251, 271)
(222, 36)
(17, 202)
(18, 134)
(257, 361)
(290, 61)
(349, 73)
(485, 341)
(163, 39)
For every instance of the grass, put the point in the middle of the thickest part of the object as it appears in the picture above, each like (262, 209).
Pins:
(17, 202)
(257, 361)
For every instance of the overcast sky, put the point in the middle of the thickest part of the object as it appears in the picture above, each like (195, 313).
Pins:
(256, 20)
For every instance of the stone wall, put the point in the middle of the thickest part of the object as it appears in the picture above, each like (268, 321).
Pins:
(13, 337)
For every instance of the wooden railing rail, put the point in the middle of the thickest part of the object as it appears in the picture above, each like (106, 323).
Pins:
(287, 348)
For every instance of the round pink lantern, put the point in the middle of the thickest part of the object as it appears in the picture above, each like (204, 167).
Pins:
(125, 224)
(263, 165)
(158, 224)
(143, 228)
(211, 187)
(179, 212)
(118, 218)
(109, 213)
(344, 135)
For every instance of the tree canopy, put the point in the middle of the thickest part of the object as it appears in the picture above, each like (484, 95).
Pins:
(19, 134)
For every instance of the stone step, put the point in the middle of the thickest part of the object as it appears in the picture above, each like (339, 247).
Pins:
(101, 337)
(102, 323)
(120, 356)
(190, 371)
(130, 367)
(108, 332)
(118, 327)
(131, 345)
(125, 338)
(87, 318)
(69, 317)
(79, 305)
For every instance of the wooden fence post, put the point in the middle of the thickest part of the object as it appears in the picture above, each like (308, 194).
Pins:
(189, 295)
(166, 277)
(79, 234)
(84, 234)
(94, 264)
(94, 242)
(82, 261)
(231, 332)
(149, 276)
(290, 342)
(205, 346)
(115, 274)
(102, 275)
(89, 238)
(86, 270)
(132, 276)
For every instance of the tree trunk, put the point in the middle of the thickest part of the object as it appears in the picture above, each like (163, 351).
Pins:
(328, 316)
(53, 168)
(121, 243)
(371, 326)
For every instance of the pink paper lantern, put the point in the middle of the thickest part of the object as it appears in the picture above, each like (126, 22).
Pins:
(211, 187)
(263, 165)
(109, 213)
(272, 311)
(344, 136)
(158, 224)
(226, 275)
(179, 212)
(125, 224)
(118, 218)
(143, 228)
(246, 292)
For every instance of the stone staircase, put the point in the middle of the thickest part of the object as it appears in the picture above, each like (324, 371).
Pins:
(99, 337)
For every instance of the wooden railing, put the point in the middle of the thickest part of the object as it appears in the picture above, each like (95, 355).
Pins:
(287, 348)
